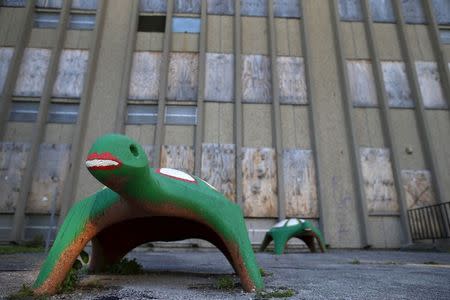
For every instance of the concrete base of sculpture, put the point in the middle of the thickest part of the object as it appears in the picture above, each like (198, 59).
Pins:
(284, 230)
(140, 205)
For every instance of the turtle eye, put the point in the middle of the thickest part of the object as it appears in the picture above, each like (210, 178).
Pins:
(134, 150)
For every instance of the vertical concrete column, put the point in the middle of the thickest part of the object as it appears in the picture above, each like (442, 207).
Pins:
(39, 128)
(276, 114)
(313, 115)
(237, 125)
(349, 121)
(131, 45)
(386, 118)
(200, 128)
(159, 134)
(424, 127)
(16, 60)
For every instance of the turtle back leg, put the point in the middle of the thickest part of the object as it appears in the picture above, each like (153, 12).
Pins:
(265, 242)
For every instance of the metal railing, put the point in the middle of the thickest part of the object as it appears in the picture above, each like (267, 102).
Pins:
(430, 222)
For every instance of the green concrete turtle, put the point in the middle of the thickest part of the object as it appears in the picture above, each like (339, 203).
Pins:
(284, 230)
(141, 204)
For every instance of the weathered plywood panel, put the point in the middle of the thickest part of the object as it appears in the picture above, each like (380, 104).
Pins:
(362, 83)
(48, 178)
(156, 6)
(84, 4)
(378, 180)
(49, 3)
(300, 183)
(6, 54)
(257, 8)
(396, 84)
(286, 8)
(442, 11)
(33, 69)
(183, 76)
(219, 78)
(430, 84)
(187, 6)
(259, 182)
(150, 151)
(256, 79)
(180, 157)
(291, 72)
(145, 76)
(413, 11)
(418, 188)
(13, 157)
(382, 10)
(71, 70)
(221, 7)
(218, 168)
(350, 10)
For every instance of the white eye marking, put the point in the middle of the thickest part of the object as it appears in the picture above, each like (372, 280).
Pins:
(180, 175)
(293, 222)
(280, 224)
(101, 163)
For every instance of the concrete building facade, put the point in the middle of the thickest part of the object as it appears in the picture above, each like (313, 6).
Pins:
(335, 111)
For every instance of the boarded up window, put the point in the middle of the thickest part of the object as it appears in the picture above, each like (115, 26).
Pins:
(219, 78)
(418, 188)
(300, 183)
(430, 84)
(153, 6)
(396, 84)
(256, 79)
(286, 8)
(350, 10)
(362, 83)
(183, 76)
(378, 181)
(413, 11)
(187, 6)
(442, 11)
(218, 161)
(221, 7)
(13, 157)
(180, 157)
(33, 69)
(291, 72)
(145, 76)
(71, 71)
(48, 178)
(259, 182)
(6, 54)
(382, 10)
(256, 8)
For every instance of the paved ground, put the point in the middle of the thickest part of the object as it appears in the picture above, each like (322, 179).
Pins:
(189, 274)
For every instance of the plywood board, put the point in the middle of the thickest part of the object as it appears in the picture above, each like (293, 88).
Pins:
(13, 157)
(218, 168)
(396, 84)
(300, 183)
(430, 84)
(286, 8)
(362, 83)
(84, 4)
(180, 157)
(156, 6)
(183, 76)
(259, 182)
(382, 10)
(145, 76)
(71, 71)
(49, 3)
(350, 10)
(378, 180)
(418, 188)
(6, 54)
(256, 8)
(48, 178)
(221, 7)
(187, 6)
(150, 151)
(33, 70)
(256, 79)
(291, 72)
(442, 11)
(413, 11)
(219, 78)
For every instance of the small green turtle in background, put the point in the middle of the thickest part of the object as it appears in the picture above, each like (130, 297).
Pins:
(284, 230)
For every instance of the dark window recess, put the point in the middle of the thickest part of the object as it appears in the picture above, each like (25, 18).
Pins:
(152, 23)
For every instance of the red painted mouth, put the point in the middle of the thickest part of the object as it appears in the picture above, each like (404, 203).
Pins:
(102, 161)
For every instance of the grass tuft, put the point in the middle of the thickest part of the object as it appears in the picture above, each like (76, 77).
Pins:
(276, 293)
(13, 249)
(24, 293)
(224, 283)
(264, 273)
(355, 262)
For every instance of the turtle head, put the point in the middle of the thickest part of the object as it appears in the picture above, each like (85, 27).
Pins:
(116, 160)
